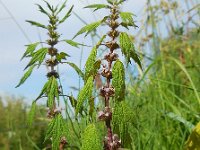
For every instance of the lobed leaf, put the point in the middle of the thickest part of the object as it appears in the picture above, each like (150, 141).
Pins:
(67, 15)
(56, 130)
(90, 139)
(30, 49)
(118, 80)
(26, 75)
(127, 19)
(88, 28)
(92, 66)
(97, 6)
(128, 49)
(84, 94)
(38, 56)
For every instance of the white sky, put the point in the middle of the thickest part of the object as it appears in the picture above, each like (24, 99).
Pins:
(12, 42)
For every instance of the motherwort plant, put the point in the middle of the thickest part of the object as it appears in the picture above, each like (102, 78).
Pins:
(50, 56)
(116, 114)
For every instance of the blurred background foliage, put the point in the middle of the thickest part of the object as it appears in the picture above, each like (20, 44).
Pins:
(164, 97)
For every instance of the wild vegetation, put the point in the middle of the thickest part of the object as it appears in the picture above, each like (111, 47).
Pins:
(150, 104)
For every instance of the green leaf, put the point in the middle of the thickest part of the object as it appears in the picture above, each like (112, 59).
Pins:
(97, 6)
(73, 43)
(26, 75)
(44, 89)
(67, 15)
(36, 24)
(56, 130)
(127, 19)
(89, 28)
(31, 113)
(30, 49)
(42, 10)
(84, 94)
(72, 100)
(62, 7)
(122, 117)
(118, 80)
(38, 56)
(128, 49)
(61, 56)
(92, 66)
(90, 139)
(76, 68)
(52, 92)
(49, 6)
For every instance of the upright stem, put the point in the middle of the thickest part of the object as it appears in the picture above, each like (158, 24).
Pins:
(108, 91)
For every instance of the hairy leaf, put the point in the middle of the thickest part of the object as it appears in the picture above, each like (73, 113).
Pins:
(31, 113)
(97, 6)
(128, 49)
(38, 56)
(88, 28)
(92, 66)
(67, 15)
(30, 49)
(36, 24)
(56, 130)
(122, 118)
(118, 80)
(84, 94)
(26, 75)
(90, 139)
(76, 68)
(73, 43)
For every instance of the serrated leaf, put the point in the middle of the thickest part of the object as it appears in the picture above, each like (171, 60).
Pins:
(92, 66)
(97, 6)
(42, 10)
(67, 15)
(31, 113)
(88, 28)
(52, 92)
(118, 80)
(76, 68)
(122, 118)
(26, 75)
(128, 49)
(73, 43)
(127, 19)
(91, 104)
(84, 94)
(56, 130)
(30, 49)
(38, 56)
(90, 139)
(36, 24)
